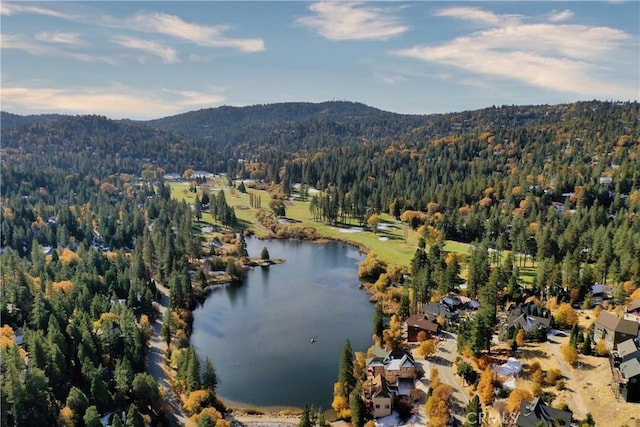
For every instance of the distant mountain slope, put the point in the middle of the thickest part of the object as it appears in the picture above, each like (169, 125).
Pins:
(8, 120)
(266, 116)
(92, 144)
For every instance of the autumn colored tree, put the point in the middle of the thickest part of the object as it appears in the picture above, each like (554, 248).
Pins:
(565, 316)
(374, 221)
(569, 354)
(428, 348)
(485, 387)
(520, 337)
(516, 397)
(601, 348)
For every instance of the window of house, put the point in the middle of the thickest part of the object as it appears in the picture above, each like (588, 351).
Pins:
(377, 406)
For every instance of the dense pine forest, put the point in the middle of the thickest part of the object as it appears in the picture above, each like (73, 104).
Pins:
(89, 232)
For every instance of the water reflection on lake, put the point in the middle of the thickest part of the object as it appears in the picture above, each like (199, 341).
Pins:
(259, 334)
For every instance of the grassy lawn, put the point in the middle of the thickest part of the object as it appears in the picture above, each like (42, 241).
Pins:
(388, 243)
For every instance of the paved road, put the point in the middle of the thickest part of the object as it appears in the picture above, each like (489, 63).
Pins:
(157, 367)
(443, 361)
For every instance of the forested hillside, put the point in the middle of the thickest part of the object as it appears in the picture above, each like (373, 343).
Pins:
(89, 231)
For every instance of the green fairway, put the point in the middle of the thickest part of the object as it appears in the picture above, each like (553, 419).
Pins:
(394, 242)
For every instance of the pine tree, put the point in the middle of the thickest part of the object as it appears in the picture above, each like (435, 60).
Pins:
(134, 418)
(473, 413)
(345, 373)
(264, 255)
(358, 410)
(242, 247)
(586, 346)
(378, 320)
(209, 377)
(92, 417)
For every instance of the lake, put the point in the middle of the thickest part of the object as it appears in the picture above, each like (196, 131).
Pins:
(259, 334)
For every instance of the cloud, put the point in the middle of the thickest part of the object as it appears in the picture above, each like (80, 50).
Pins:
(18, 42)
(559, 57)
(72, 39)
(167, 53)
(115, 102)
(203, 35)
(353, 21)
(17, 8)
(473, 14)
(557, 16)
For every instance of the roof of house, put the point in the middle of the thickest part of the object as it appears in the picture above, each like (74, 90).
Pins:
(532, 413)
(420, 321)
(630, 368)
(617, 324)
(627, 348)
(527, 322)
(633, 305)
(380, 387)
(436, 309)
(398, 364)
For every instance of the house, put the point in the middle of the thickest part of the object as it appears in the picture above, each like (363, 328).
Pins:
(420, 323)
(630, 384)
(435, 309)
(632, 311)
(521, 317)
(626, 350)
(393, 365)
(378, 397)
(598, 294)
(614, 330)
(536, 414)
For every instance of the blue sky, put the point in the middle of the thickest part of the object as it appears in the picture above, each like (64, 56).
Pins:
(151, 59)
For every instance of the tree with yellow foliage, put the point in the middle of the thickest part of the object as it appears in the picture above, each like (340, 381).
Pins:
(601, 348)
(520, 337)
(569, 354)
(196, 398)
(340, 402)
(485, 387)
(565, 316)
(374, 221)
(516, 398)
(392, 337)
(427, 348)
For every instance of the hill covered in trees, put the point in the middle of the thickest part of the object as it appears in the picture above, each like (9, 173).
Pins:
(88, 228)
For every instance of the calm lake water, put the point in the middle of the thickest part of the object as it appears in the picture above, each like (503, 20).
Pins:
(258, 334)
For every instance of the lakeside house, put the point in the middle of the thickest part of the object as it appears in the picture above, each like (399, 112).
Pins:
(378, 396)
(614, 330)
(391, 376)
(421, 323)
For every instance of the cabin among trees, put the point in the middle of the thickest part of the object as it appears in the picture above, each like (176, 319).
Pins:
(614, 330)
(420, 326)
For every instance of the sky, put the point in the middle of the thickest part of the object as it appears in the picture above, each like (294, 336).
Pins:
(151, 59)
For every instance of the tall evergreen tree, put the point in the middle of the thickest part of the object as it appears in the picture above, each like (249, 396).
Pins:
(345, 373)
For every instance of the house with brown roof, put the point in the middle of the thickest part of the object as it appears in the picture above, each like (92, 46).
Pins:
(394, 365)
(614, 330)
(632, 311)
(378, 396)
(420, 323)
